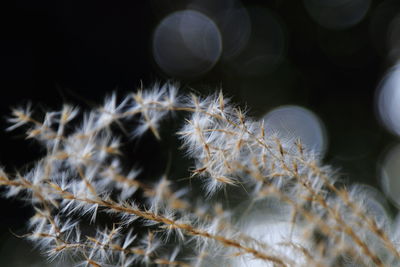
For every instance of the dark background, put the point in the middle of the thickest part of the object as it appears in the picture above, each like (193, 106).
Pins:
(78, 51)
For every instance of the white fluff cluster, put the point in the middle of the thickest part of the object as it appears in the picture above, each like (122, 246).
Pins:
(87, 208)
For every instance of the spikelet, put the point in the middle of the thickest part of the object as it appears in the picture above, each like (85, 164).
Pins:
(93, 209)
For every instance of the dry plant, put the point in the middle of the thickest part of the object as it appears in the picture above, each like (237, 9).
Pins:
(91, 210)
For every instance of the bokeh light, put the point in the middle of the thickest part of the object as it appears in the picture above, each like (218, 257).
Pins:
(396, 227)
(235, 27)
(271, 223)
(266, 47)
(390, 175)
(388, 100)
(186, 44)
(232, 20)
(374, 202)
(337, 14)
(295, 122)
(277, 235)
